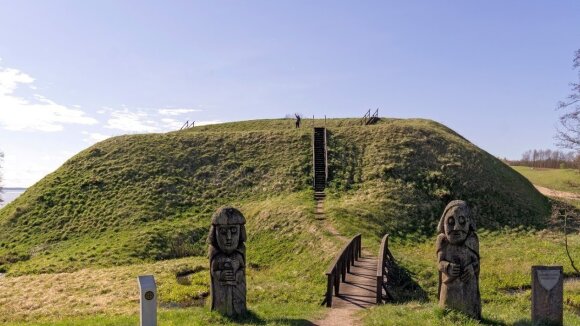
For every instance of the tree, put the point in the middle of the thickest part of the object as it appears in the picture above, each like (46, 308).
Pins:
(568, 135)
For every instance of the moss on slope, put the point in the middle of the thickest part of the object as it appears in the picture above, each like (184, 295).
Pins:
(149, 197)
(398, 176)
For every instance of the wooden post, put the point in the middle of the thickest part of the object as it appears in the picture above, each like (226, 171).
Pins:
(344, 264)
(336, 281)
(348, 259)
(329, 290)
(379, 289)
(547, 295)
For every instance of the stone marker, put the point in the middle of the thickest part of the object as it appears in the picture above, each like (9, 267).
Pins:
(458, 260)
(227, 259)
(547, 295)
(148, 291)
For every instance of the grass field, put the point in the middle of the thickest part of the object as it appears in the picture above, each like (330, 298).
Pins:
(559, 179)
(73, 244)
(505, 279)
(109, 296)
(567, 180)
(284, 274)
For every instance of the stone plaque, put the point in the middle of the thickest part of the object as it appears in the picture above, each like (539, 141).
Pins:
(547, 295)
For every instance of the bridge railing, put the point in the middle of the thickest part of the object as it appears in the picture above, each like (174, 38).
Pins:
(384, 260)
(340, 266)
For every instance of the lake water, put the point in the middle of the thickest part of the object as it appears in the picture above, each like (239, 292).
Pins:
(9, 194)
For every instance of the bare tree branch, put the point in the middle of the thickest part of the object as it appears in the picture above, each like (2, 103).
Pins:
(568, 132)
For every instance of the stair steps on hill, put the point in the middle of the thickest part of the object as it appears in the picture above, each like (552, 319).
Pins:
(320, 160)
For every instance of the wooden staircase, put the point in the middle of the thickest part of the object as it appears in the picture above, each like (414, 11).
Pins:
(320, 161)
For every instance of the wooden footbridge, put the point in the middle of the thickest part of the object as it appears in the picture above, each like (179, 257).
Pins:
(358, 280)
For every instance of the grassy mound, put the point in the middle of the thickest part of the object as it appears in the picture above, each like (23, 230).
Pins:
(397, 177)
(142, 198)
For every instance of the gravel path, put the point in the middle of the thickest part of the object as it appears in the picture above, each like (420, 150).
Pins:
(556, 193)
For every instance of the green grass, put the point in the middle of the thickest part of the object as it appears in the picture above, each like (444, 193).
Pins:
(505, 279)
(142, 198)
(506, 259)
(567, 180)
(398, 176)
(143, 202)
(558, 179)
(260, 315)
(284, 276)
(138, 190)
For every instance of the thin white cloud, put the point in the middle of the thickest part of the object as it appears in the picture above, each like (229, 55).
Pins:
(172, 124)
(207, 122)
(94, 137)
(175, 112)
(38, 113)
(128, 121)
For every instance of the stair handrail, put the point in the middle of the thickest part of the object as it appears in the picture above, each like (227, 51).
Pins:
(187, 125)
(384, 259)
(325, 157)
(340, 266)
(364, 118)
(313, 155)
(375, 115)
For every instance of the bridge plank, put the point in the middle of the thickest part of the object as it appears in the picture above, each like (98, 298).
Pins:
(359, 290)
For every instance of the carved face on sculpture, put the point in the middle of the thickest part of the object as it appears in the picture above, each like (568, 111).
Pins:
(228, 232)
(457, 224)
(228, 237)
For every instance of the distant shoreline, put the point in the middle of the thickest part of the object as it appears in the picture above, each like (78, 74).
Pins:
(8, 194)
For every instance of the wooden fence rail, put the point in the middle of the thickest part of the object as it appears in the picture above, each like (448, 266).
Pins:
(340, 266)
(384, 260)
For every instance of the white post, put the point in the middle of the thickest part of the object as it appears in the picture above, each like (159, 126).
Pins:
(148, 291)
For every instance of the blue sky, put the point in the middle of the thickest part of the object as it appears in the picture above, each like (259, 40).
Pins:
(75, 72)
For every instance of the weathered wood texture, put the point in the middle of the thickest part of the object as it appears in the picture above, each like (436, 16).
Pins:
(358, 289)
(384, 260)
(340, 266)
(547, 295)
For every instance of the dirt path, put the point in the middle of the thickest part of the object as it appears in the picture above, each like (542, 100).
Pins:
(556, 193)
(358, 292)
(319, 213)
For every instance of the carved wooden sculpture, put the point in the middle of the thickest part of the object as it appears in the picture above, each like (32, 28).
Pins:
(458, 258)
(227, 257)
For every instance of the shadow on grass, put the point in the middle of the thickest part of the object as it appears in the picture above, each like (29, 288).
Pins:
(458, 317)
(253, 319)
(401, 286)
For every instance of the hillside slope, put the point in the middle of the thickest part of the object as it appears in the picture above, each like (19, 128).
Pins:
(149, 197)
(398, 176)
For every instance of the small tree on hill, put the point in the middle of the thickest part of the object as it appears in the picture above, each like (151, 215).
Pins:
(569, 130)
